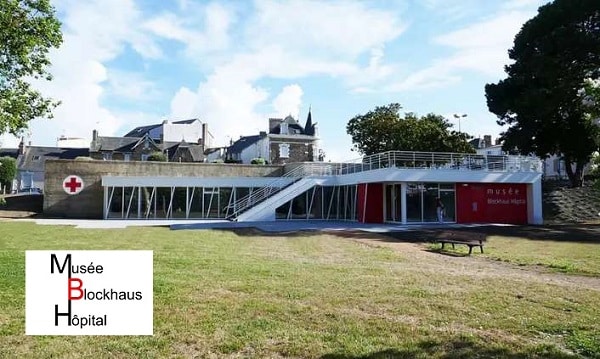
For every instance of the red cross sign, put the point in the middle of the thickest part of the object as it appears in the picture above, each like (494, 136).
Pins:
(73, 184)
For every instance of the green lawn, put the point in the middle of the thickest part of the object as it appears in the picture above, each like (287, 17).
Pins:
(218, 294)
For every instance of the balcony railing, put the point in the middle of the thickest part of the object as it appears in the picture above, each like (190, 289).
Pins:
(427, 161)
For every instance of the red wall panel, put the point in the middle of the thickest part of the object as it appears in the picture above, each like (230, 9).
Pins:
(373, 193)
(491, 203)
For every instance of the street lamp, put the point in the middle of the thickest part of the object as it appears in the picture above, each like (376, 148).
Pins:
(457, 116)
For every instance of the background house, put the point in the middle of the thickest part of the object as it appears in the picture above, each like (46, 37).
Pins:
(191, 131)
(287, 141)
(31, 163)
(140, 148)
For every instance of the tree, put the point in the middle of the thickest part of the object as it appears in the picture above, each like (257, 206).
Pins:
(157, 157)
(547, 99)
(8, 171)
(28, 30)
(384, 129)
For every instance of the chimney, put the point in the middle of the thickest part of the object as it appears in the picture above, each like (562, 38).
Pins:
(95, 135)
(487, 141)
(205, 135)
(22, 147)
(274, 122)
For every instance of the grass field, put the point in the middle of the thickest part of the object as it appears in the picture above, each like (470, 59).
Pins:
(222, 294)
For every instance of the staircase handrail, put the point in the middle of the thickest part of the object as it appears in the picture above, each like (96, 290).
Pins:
(273, 187)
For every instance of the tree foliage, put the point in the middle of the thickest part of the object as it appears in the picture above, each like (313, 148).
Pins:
(384, 129)
(8, 171)
(28, 30)
(157, 157)
(548, 99)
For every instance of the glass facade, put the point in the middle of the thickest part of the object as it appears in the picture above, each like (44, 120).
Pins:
(317, 203)
(321, 202)
(172, 202)
(421, 202)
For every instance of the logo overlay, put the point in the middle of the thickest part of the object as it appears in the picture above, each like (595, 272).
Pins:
(88, 292)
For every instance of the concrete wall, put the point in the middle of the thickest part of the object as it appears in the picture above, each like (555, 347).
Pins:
(88, 203)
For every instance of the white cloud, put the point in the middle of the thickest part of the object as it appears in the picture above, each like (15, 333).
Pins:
(519, 4)
(278, 42)
(483, 46)
(79, 69)
(322, 29)
(131, 86)
(288, 101)
(211, 35)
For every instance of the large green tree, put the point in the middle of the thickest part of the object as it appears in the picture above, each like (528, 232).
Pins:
(386, 129)
(8, 171)
(545, 99)
(28, 30)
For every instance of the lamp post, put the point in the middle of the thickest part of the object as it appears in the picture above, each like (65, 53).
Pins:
(457, 116)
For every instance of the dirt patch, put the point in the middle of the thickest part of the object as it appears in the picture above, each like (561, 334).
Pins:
(476, 266)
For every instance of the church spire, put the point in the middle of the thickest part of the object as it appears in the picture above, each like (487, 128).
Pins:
(309, 129)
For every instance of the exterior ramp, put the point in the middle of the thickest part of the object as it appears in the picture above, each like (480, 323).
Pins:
(265, 210)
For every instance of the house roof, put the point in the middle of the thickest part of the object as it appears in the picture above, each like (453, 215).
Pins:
(244, 142)
(128, 144)
(9, 152)
(186, 122)
(142, 130)
(309, 130)
(195, 151)
(34, 157)
(120, 144)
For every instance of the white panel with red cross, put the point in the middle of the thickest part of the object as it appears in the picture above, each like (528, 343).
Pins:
(73, 184)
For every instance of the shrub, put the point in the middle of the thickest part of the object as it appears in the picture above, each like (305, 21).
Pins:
(83, 158)
(157, 157)
(258, 161)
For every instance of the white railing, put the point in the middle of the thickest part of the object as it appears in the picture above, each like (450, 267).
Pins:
(433, 161)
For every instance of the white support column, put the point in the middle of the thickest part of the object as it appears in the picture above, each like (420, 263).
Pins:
(139, 204)
(534, 202)
(105, 206)
(403, 186)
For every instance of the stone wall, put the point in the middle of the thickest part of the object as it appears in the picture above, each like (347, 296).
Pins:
(88, 203)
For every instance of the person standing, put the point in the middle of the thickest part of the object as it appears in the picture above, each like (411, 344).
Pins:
(440, 209)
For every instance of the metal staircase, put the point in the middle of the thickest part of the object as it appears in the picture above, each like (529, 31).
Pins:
(287, 181)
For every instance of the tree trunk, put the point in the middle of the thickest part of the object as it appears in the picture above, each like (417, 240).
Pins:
(576, 177)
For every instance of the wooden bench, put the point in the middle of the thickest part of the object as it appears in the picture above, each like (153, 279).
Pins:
(470, 239)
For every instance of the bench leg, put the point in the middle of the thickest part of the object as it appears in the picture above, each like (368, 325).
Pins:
(481, 247)
(443, 245)
(470, 249)
(453, 246)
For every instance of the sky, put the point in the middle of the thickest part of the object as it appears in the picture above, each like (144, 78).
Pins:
(235, 64)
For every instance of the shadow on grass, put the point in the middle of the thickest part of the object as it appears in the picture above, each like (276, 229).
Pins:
(457, 349)
(589, 233)
(446, 252)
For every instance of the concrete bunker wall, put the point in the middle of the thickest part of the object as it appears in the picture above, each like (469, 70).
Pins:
(88, 202)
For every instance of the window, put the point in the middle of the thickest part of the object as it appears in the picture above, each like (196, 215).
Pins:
(107, 156)
(283, 129)
(36, 158)
(145, 156)
(284, 150)
(127, 157)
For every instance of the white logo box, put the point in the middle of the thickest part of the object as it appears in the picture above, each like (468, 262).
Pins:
(116, 292)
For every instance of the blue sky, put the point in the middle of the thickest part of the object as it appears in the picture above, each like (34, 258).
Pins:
(234, 64)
